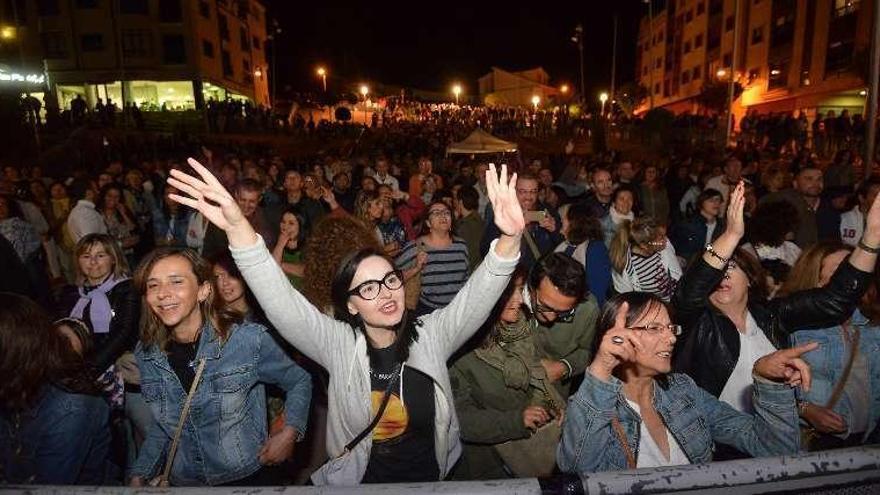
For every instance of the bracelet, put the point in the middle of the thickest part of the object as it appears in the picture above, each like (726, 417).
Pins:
(864, 247)
(569, 370)
(714, 254)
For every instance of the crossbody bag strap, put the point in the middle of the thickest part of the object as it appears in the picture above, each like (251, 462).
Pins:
(183, 414)
(370, 427)
(624, 443)
(837, 393)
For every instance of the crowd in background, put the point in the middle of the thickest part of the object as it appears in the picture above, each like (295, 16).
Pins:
(100, 261)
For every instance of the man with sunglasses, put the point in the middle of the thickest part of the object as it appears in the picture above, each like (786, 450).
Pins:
(563, 316)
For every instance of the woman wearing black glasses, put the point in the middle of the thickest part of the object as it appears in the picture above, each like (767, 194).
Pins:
(391, 411)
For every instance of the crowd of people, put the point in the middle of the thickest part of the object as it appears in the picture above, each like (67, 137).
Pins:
(389, 314)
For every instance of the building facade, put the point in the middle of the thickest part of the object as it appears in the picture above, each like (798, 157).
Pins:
(787, 55)
(516, 89)
(158, 54)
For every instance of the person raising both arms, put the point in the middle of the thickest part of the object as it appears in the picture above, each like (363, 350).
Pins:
(391, 411)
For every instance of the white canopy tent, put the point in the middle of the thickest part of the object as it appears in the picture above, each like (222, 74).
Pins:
(481, 141)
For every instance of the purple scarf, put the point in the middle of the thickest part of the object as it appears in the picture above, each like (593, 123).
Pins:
(100, 312)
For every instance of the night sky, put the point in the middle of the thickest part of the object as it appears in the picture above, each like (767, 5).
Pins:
(406, 45)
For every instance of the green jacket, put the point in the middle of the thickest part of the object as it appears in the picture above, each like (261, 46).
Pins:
(490, 407)
(572, 341)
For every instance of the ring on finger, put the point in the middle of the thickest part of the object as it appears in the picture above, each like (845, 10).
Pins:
(617, 339)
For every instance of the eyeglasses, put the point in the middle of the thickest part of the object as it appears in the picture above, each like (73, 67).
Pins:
(658, 328)
(369, 289)
(527, 191)
(440, 213)
(561, 316)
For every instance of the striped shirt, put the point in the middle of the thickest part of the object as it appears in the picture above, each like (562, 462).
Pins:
(443, 275)
(651, 274)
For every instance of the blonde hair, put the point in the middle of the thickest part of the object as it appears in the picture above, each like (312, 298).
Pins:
(639, 231)
(153, 331)
(805, 273)
(120, 264)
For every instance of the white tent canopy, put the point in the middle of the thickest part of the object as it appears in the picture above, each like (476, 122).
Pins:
(481, 141)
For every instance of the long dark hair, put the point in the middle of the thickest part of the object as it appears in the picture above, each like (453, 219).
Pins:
(33, 354)
(225, 261)
(407, 331)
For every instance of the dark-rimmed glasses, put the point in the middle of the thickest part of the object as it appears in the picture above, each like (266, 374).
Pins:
(369, 289)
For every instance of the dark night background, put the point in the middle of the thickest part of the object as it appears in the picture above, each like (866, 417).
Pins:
(428, 45)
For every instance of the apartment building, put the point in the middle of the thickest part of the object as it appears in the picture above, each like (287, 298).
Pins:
(790, 55)
(158, 54)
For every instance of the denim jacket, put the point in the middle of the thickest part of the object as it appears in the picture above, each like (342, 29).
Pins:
(693, 416)
(828, 361)
(226, 426)
(63, 440)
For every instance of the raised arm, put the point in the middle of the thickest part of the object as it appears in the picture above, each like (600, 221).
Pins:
(834, 303)
(692, 294)
(312, 332)
(458, 321)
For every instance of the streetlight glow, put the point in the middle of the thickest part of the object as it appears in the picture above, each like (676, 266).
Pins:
(7, 32)
(456, 90)
(258, 72)
(721, 72)
(603, 97)
(364, 90)
(563, 89)
(322, 73)
(535, 100)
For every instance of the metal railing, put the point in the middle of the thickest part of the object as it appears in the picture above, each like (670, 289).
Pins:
(846, 471)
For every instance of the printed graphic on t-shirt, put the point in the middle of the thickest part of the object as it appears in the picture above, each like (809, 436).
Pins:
(394, 421)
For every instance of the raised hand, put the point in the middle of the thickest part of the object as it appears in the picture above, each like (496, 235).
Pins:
(735, 206)
(619, 345)
(502, 194)
(787, 366)
(207, 195)
(871, 237)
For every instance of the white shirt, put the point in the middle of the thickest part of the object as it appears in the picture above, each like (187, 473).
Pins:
(710, 229)
(753, 345)
(852, 225)
(649, 454)
(84, 219)
(388, 180)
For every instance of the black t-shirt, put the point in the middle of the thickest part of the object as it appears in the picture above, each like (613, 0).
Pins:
(181, 357)
(403, 441)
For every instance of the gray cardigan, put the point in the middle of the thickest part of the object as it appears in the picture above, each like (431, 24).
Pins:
(343, 353)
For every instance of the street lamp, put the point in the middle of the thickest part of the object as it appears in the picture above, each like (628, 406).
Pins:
(721, 73)
(7, 32)
(578, 39)
(258, 72)
(323, 73)
(364, 91)
(603, 97)
(563, 89)
(535, 100)
(456, 90)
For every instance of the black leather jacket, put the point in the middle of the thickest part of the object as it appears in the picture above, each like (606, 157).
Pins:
(124, 325)
(708, 349)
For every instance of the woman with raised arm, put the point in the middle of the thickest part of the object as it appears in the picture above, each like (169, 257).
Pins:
(391, 409)
(728, 321)
(631, 412)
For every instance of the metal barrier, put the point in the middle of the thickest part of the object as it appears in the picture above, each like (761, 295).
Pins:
(853, 471)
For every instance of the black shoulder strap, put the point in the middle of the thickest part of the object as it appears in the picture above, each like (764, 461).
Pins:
(356, 440)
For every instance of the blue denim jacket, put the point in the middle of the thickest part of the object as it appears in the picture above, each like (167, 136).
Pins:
(63, 440)
(226, 426)
(828, 361)
(694, 417)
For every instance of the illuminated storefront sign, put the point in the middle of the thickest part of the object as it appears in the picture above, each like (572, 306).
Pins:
(14, 77)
